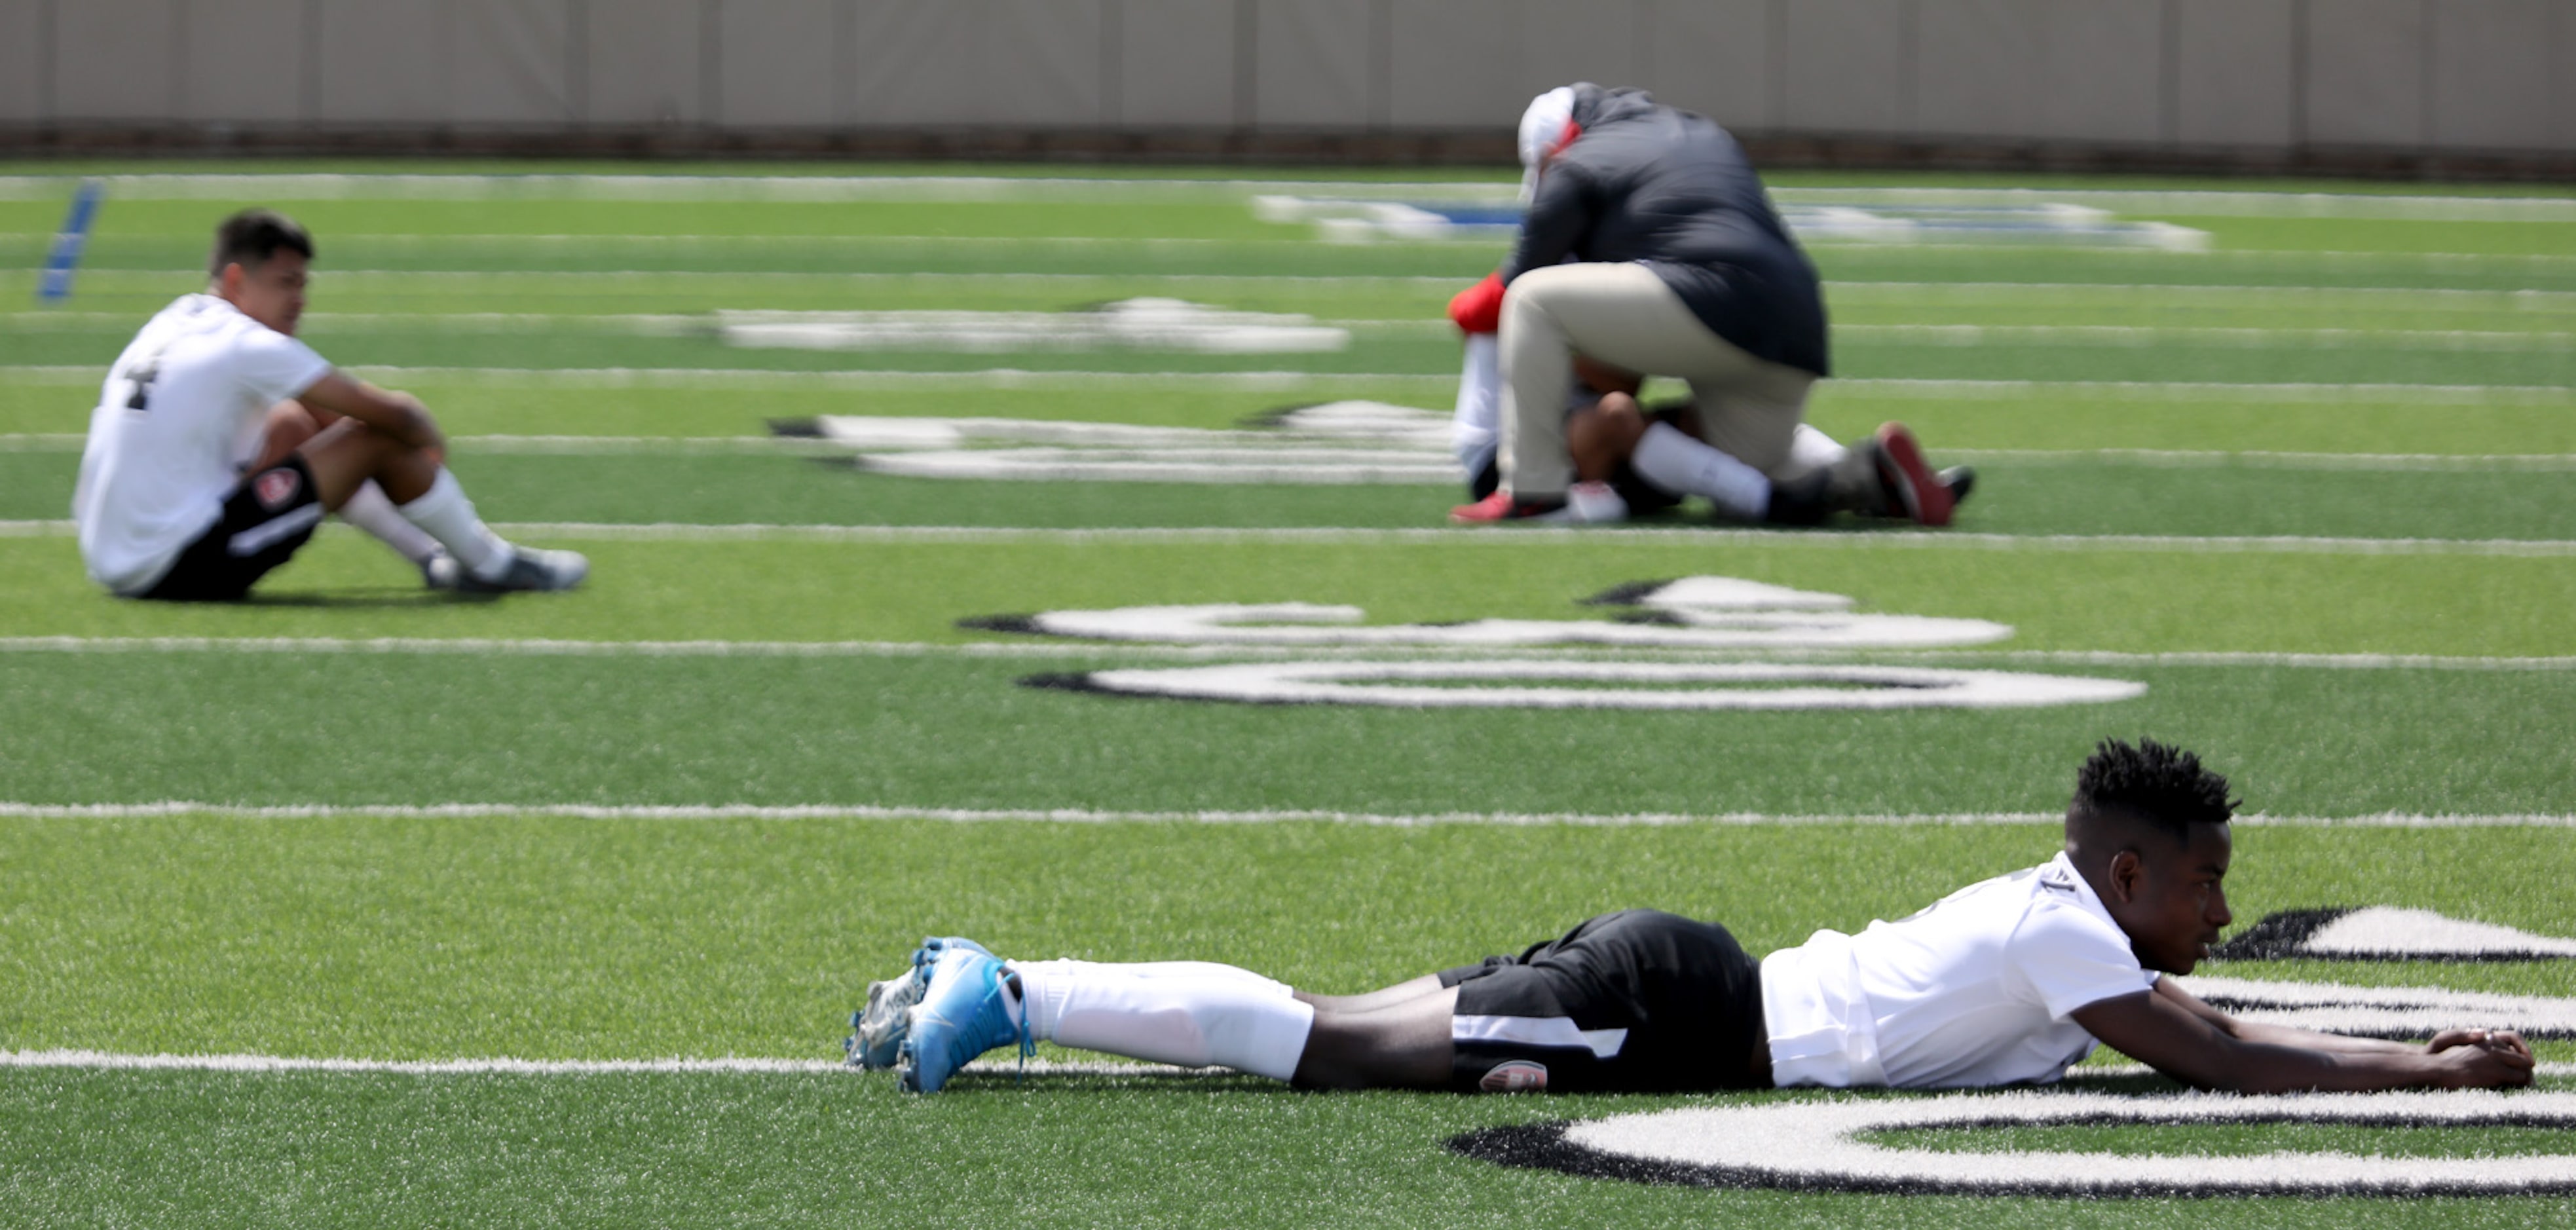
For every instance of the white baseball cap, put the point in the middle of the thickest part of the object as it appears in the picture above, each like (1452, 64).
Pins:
(1541, 124)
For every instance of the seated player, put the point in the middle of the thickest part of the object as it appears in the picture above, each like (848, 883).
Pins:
(220, 441)
(2004, 982)
(1650, 247)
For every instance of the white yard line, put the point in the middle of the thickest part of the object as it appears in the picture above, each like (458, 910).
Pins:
(573, 446)
(771, 277)
(2141, 294)
(1844, 292)
(2164, 258)
(1935, 540)
(2130, 1071)
(734, 1065)
(325, 324)
(2259, 459)
(114, 1061)
(942, 189)
(560, 648)
(2502, 463)
(955, 815)
(2202, 392)
(2144, 336)
(1041, 647)
(2180, 392)
(971, 189)
(735, 377)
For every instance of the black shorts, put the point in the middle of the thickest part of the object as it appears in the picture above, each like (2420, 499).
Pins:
(267, 519)
(1639, 1001)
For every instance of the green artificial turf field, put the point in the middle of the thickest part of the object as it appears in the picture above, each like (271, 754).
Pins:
(361, 905)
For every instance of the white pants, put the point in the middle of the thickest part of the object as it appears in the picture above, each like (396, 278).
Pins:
(1625, 316)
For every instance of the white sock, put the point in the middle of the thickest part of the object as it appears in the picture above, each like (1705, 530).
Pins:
(1674, 461)
(370, 509)
(1811, 449)
(1480, 395)
(446, 515)
(1191, 1013)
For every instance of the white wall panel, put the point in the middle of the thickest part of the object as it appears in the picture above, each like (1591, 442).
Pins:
(2101, 72)
(1312, 64)
(246, 61)
(23, 62)
(913, 64)
(2366, 72)
(1601, 42)
(1713, 57)
(1459, 63)
(116, 59)
(777, 63)
(2492, 61)
(2232, 73)
(1846, 67)
(509, 62)
(1978, 67)
(1011, 62)
(1045, 56)
(2467, 74)
(645, 61)
(1176, 63)
(386, 60)
(2562, 75)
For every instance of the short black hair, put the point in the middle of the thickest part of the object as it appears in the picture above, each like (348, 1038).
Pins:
(251, 237)
(2154, 782)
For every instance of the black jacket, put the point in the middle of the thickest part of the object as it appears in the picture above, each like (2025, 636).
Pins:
(1646, 182)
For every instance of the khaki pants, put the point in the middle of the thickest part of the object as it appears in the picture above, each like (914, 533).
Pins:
(1625, 316)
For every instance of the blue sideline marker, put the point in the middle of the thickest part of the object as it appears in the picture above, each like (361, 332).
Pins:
(56, 284)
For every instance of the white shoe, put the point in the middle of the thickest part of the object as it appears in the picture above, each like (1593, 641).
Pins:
(530, 570)
(1588, 504)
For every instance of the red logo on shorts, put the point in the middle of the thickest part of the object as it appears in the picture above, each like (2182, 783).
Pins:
(275, 487)
(1518, 1076)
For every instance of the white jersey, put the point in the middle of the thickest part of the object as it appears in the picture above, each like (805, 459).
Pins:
(1977, 990)
(179, 418)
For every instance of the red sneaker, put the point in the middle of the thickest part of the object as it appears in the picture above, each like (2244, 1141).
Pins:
(1501, 506)
(1917, 490)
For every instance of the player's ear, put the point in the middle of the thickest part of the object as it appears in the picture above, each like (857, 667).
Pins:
(2123, 875)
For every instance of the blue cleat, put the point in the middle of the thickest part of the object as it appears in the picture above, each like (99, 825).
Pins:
(965, 1011)
(879, 1028)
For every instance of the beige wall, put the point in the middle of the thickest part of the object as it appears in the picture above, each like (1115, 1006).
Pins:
(2255, 74)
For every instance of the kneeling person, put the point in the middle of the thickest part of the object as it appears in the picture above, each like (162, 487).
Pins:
(2008, 981)
(182, 496)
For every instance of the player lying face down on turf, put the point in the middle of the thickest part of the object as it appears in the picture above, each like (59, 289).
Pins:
(1649, 246)
(220, 441)
(2006, 981)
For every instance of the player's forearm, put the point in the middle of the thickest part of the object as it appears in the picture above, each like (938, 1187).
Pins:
(2265, 1067)
(407, 420)
(2344, 1044)
(399, 415)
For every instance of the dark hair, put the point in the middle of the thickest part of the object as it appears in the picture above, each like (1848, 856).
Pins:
(251, 237)
(2155, 782)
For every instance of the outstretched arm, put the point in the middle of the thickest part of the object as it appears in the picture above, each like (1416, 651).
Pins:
(2175, 1033)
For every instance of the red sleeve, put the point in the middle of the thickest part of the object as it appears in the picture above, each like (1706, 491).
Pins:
(1479, 308)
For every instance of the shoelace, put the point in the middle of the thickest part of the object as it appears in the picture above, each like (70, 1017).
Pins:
(1028, 1043)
